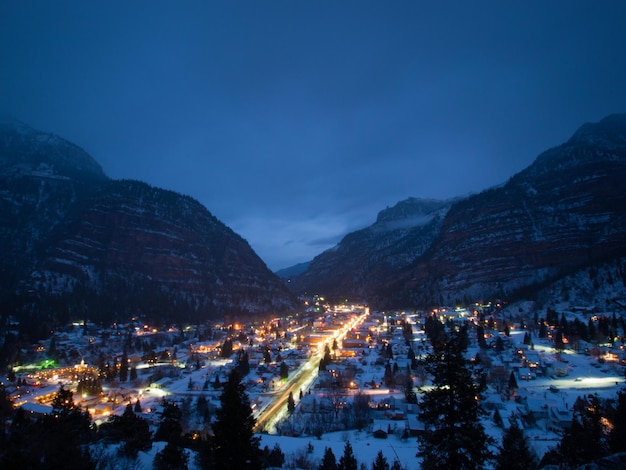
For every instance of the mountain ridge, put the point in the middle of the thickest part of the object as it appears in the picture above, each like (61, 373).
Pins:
(399, 234)
(563, 212)
(106, 248)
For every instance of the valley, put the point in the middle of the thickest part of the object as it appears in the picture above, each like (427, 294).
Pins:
(530, 376)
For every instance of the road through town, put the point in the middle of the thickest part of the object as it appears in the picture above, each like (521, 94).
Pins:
(301, 379)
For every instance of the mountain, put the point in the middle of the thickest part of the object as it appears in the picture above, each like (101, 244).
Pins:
(564, 212)
(366, 258)
(293, 271)
(78, 244)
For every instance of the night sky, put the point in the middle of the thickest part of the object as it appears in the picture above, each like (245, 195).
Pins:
(295, 122)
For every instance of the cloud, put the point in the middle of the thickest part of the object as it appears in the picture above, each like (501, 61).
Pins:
(288, 240)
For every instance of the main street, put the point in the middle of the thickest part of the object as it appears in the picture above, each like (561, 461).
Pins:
(301, 379)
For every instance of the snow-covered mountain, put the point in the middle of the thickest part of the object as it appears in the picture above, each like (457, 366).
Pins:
(564, 212)
(76, 243)
(363, 259)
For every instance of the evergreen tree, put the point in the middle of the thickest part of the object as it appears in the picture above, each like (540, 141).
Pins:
(381, 462)
(284, 370)
(124, 367)
(235, 445)
(559, 345)
(480, 337)
(64, 433)
(389, 350)
(6, 413)
(329, 462)
(291, 404)
(497, 418)
(388, 377)
(327, 359)
(411, 355)
(172, 457)
(170, 428)
(52, 348)
(360, 410)
(202, 408)
(132, 430)
(454, 436)
(267, 357)
(543, 329)
(63, 402)
(23, 447)
(506, 329)
(514, 454)
(617, 438)
(273, 458)
(584, 440)
(591, 330)
(347, 461)
(409, 392)
(89, 386)
(512, 381)
(227, 348)
(243, 363)
(133, 374)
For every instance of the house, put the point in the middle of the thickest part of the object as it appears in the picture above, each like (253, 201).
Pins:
(311, 403)
(560, 416)
(532, 358)
(396, 415)
(37, 409)
(161, 383)
(526, 374)
(415, 427)
(379, 434)
(560, 369)
(534, 406)
(493, 402)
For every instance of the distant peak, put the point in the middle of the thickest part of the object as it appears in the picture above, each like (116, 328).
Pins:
(25, 150)
(8, 122)
(410, 207)
(609, 131)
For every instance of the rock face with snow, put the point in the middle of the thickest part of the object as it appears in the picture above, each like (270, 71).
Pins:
(564, 212)
(74, 238)
(364, 259)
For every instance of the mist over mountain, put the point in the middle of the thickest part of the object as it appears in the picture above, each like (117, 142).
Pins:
(565, 212)
(77, 244)
(357, 265)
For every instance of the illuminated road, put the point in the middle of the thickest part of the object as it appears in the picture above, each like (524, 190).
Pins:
(302, 379)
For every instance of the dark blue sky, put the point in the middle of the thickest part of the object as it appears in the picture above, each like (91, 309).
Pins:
(295, 122)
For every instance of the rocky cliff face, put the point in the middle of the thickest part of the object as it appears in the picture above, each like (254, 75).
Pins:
(366, 258)
(109, 248)
(566, 211)
(42, 177)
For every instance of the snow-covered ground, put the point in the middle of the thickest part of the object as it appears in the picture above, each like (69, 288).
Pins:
(549, 395)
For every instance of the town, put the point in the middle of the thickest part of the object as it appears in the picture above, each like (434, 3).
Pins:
(329, 369)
